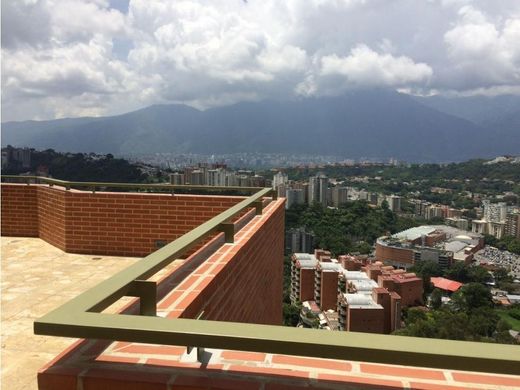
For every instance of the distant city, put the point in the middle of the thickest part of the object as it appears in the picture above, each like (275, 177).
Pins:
(249, 160)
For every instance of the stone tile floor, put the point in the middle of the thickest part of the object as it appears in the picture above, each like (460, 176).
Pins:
(35, 279)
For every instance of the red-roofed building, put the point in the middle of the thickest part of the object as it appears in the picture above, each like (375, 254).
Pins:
(446, 284)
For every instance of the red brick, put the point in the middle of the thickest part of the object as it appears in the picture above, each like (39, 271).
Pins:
(192, 381)
(237, 355)
(110, 378)
(153, 349)
(485, 379)
(58, 380)
(232, 384)
(308, 362)
(362, 382)
(431, 386)
(405, 372)
(171, 363)
(267, 371)
(117, 359)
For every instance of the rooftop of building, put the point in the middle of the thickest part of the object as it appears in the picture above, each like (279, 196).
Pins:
(400, 277)
(446, 284)
(149, 365)
(329, 266)
(363, 285)
(361, 301)
(355, 275)
(452, 233)
(305, 257)
(93, 364)
(36, 278)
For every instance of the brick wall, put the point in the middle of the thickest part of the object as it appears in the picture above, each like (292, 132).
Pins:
(51, 216)
(401, 255)
(410, 290)
(329, 290)
(306, 284)
(119, 224)
(19, 211)
(129, 224)
(248, 288)
(365, 320)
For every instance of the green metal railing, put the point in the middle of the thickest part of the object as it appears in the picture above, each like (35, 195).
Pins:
(81, 318)
(93, 186)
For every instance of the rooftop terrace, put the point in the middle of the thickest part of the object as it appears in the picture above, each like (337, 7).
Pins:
(231, 276)
(37, 278)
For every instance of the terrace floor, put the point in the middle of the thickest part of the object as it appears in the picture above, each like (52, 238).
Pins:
(35, 279)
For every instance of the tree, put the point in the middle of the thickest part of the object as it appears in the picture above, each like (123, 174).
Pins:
(479, 274)
(458, 271)
(483, 322)
(502, 275)
(427, 269)
(436, 299)
(490, 240)
(514, 246)
(291, 314)
(414, 315)
(472, 296)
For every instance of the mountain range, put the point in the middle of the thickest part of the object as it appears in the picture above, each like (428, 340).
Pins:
(377, 123)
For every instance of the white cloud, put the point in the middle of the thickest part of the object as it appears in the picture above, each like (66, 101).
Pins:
(483, 53)
(364, 66)
(59, 57)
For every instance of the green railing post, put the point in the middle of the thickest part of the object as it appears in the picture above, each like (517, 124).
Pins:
(228, 228)
(146, 291)
(259, 206)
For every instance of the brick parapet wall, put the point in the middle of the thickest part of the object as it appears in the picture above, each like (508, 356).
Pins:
(19, 211)
(52, 222)
(249, 287)
(118, 224)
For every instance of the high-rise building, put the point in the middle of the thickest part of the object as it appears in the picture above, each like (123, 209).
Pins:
(279, 178)
(298, 240)
(326, 285)
(294, 196)
(197, 177)
(318, 189)
(303, 266)
(314, 190)
(339, 196)
(493, 220)
(216, 177)
(324, 190)
(512, 227)
(177, 178)
(378, 312)
(394, 203)
(494, 212)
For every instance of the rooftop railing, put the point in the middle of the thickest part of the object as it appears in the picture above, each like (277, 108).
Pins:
(81, 317)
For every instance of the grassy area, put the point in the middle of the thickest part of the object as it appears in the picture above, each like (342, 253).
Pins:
(515, 324)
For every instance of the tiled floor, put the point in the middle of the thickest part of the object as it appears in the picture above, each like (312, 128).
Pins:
(36, 278)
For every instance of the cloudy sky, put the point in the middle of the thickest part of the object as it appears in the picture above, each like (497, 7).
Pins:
(68, 58)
